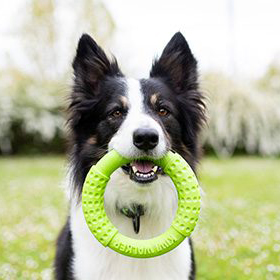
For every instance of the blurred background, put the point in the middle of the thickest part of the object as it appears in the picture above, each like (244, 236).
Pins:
(238, 50)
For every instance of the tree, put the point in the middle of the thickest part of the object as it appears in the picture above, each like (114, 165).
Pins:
(33, 87)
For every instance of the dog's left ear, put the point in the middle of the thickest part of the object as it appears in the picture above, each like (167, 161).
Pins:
(91, 66)
(177, 65)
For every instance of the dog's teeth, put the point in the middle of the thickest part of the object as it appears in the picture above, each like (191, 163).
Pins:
(134, 169)
(155, 169)
(144, 175)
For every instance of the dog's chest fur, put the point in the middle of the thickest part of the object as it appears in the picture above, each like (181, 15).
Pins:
(93, 261)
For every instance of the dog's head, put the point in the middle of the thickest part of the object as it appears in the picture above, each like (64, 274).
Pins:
(138, 118)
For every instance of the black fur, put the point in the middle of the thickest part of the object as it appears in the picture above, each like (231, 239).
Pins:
(64, 254)
(175, 80)
(177, 65)
(193, 266)
(98, 89)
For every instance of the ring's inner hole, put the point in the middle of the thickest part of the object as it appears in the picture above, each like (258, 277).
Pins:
(152, 206)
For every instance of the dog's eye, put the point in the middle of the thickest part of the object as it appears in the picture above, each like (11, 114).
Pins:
(163, 112)
(117, 114)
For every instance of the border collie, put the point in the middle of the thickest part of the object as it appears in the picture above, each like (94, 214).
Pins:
(137, 118)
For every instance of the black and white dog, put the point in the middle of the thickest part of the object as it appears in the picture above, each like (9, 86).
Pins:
(137, 118)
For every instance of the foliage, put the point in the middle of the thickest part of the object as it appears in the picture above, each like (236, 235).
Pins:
(241, 118)
(30, 117)
(32, 94)
(271, 79)
(237, 236)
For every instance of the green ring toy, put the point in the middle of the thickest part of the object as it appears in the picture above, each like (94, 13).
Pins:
(106, 233)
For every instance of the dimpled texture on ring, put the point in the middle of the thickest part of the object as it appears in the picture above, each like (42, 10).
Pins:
(188, 195)
(93, 207)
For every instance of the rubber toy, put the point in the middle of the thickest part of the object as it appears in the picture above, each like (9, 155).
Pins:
(107, 234)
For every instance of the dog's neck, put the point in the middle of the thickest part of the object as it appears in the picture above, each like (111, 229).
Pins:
(158, 201)
(134, 213)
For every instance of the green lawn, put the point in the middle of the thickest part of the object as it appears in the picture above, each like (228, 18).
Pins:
(238, 236)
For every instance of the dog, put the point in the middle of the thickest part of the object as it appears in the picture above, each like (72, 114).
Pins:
(137, 118)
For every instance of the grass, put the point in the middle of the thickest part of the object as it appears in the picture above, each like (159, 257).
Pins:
(32, 210)
(238, 236)
(239, 233)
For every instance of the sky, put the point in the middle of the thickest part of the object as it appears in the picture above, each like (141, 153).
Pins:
(236, 37)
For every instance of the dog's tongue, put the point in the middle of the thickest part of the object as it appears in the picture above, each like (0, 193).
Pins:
(143, 166)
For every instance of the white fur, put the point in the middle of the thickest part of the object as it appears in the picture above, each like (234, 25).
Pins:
(136, 118)
(92, 261)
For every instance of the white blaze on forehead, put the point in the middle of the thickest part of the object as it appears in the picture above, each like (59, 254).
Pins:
(135, 96)
(136, 118)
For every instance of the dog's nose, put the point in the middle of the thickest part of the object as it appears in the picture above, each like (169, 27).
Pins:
(145, 138)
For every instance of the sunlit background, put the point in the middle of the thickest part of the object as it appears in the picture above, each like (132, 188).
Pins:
(238, 48)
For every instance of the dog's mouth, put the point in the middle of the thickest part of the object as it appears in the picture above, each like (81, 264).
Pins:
(142, 171)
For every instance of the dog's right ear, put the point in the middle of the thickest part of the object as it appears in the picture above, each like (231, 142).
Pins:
(91, 65)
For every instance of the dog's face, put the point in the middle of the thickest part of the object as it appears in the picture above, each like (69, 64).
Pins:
(138, 118)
